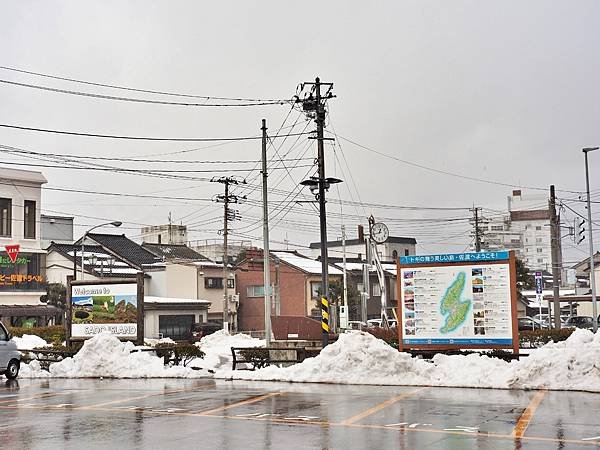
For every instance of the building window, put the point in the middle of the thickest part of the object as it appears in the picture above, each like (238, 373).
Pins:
(395, 255)
(176, 327)
(539, 250)
(540, 260)
(538, 228)
(5, 217)
(538, 240)
(257, 291)
(515, 241)
(29, 219)
(376, 290)
(406, 252)
(230, 283)
(213, 283)
(497, 228)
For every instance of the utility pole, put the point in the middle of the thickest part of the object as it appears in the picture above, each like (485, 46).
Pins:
(554, 245)
(316, 104)
(228, 215)
(266, 255)
(589, 211)
(477, 233)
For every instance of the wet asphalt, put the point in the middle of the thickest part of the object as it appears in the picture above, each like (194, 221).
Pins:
(208, 414)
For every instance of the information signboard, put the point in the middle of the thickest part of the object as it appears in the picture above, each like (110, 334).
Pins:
(111, 306)
(465, 300)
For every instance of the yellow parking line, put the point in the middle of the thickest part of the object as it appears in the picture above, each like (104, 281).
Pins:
(155, 394)
(33, 397)
(528, 414)
(240, 403)
(381, 406)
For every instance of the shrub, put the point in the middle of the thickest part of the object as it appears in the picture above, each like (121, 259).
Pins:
(54, 334)
(537, 338)
(258, 357)
(181, 352)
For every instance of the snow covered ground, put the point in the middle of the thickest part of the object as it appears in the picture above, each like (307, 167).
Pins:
(356, 358)
(360, 358)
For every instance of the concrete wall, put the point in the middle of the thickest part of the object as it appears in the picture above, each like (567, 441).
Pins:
(57, 229)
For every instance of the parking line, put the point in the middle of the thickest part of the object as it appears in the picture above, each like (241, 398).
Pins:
(381, 406)
(33, 397)
(240, 403)
(155, 394)
(525, 418)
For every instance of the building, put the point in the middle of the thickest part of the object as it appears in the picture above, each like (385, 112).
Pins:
(390, 250)
(296, 280)
(165, 234)
(22, 277)
(213, 249)
(524, 229)
(171, 277)
(56, 229)
(354, 275)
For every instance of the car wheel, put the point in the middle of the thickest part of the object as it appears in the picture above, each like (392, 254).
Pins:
(12, 370)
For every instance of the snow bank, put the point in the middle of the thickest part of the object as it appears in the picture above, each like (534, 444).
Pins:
(29, 342)
(105, 356)
(360, 358)
(217, 349)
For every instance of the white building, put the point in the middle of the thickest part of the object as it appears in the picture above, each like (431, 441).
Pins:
(22, 279)
(525, 229)
(165, 234)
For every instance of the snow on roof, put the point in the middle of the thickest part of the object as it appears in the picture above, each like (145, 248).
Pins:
(171, 300)
(306, 264)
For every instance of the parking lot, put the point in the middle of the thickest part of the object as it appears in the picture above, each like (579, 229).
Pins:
(223, 414)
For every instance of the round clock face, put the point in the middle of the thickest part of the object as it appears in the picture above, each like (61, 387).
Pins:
(380, 233)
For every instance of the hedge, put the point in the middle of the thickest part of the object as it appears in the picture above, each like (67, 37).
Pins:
(537, 338)
(54, 334)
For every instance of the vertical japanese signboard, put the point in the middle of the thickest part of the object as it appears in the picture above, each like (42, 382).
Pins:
(465, 300)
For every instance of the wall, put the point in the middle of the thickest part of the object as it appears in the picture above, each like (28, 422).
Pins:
(57, 229)
(294, 294)
(151, 324)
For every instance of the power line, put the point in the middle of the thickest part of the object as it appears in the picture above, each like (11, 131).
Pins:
(444, 172)
(126, 88)
(142, 100)
(138, 138)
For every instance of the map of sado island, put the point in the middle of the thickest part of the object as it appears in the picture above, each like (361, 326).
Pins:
(452, 307)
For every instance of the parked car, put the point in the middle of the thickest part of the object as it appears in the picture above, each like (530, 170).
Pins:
(10, 357)
(580, 322)
(199, 330)
(528, 323)
(377, 323)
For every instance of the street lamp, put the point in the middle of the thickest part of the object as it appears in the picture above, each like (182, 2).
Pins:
(589, 211)
(116, 223)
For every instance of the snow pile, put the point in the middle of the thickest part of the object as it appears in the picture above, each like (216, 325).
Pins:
(29, 342)
(33, 370)
(217, 349)
(105, 356)
(360, 358)
(573, 364)
(356, 358)
(153, 342)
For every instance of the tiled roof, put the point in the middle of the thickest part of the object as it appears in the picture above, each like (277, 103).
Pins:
(97, 261)
(125, 248)
(173, 251)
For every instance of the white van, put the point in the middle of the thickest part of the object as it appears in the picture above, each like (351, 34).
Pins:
(10, 357)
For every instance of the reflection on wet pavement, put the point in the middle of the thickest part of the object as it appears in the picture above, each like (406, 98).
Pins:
(39, 414)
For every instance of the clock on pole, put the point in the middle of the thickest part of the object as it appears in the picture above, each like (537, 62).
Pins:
(380, 232)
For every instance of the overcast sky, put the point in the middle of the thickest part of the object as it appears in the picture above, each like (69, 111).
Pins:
(505, 91)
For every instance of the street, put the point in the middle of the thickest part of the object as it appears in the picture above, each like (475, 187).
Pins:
(169, 413)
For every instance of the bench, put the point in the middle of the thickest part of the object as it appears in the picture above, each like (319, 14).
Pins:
(46, 357)
(260, 357)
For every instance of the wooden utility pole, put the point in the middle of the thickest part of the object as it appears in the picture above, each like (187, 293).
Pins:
(556, 264)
